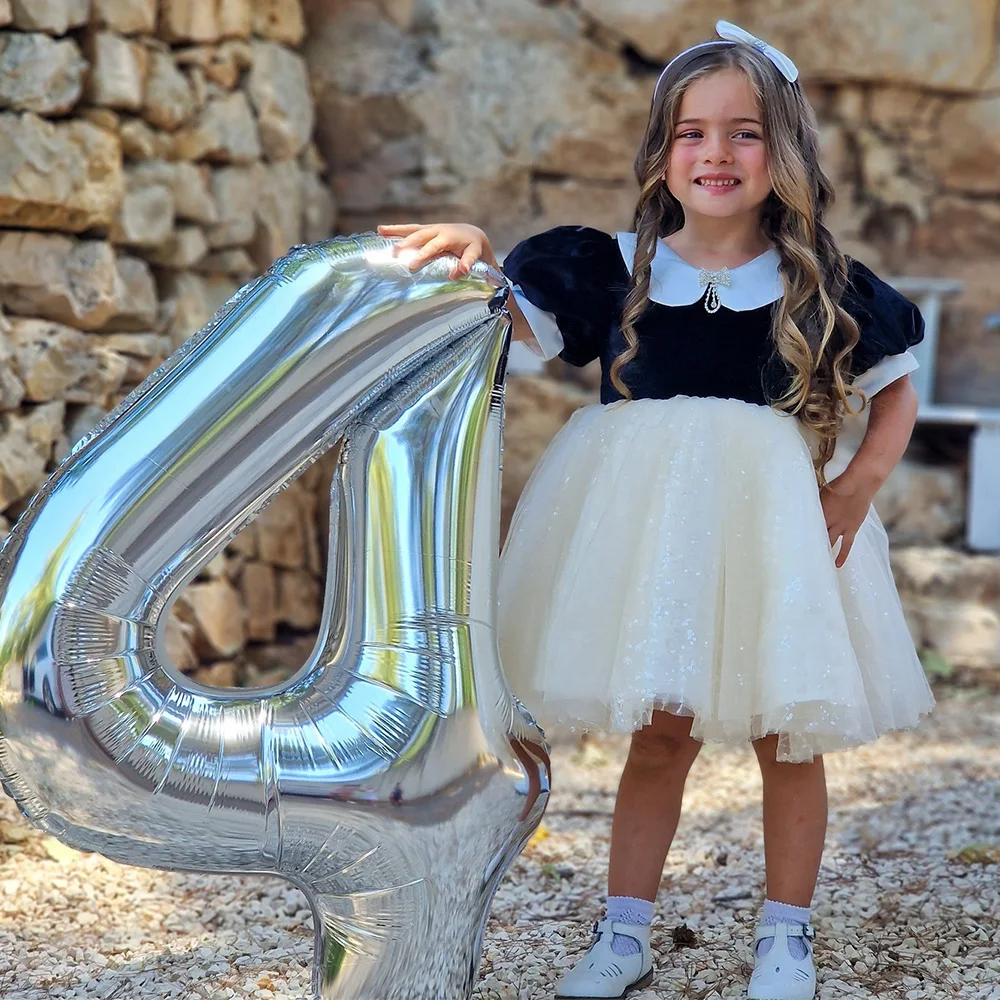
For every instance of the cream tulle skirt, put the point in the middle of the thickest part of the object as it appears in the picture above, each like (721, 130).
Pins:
(673, 554)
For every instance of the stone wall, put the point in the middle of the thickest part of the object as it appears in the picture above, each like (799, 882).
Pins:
(153, 157)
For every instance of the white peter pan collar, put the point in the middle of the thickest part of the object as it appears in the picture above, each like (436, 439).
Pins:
(674, 282)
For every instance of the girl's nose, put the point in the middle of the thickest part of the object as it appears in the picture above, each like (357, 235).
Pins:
(719, 151)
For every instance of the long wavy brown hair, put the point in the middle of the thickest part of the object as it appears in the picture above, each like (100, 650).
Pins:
(811, 333)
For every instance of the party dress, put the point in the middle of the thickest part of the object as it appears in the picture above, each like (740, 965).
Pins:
(671, 552)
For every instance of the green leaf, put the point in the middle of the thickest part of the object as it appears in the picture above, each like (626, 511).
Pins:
(935, 665)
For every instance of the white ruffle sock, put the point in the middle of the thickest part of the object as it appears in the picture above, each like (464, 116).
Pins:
(628, 910)
(774, 912)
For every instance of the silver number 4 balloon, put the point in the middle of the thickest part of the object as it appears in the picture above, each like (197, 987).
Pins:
(394, 778)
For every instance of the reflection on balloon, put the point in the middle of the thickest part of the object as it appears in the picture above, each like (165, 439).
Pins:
(394, 778)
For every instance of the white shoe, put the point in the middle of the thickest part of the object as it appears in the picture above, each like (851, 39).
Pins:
(778, 976)
(602, 973)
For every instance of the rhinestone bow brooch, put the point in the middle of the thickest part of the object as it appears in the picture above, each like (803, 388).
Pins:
(713, 279)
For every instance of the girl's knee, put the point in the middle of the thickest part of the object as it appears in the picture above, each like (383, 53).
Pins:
(766, 749)
(665, 741)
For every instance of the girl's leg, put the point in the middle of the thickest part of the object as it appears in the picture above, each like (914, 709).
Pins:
(648, 805)
(646, 812)
(795, 813)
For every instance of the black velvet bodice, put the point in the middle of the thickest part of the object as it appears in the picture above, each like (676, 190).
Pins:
(579, 275)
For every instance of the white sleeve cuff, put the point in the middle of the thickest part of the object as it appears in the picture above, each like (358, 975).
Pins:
(548, 340)
(890, 368)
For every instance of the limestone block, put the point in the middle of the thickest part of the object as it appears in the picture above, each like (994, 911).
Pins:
(278, 85)
(180, 636)
(40, 74)
(184, 248)
(137, 345)
(103, 118)
(136, 305)
(42, 425)
(55, 17)
(936, 44)
(127, 16)
(65, 175)
(968, 142)
(224, 132)
(279, 212)
(884, 177)
(188, 182)
(234, 190)
(965, 633)
(234, 261)
(300, 599)
(50, 358)
(259, 589)
(145, 217)
(937, 572)
(117, 70)
(282, 528)
(59, 277)
(214, 609)
(224, 674)
(204, 20)
(140, 142)
(921, 504)
(222, 64)
(22, 468)
(98, 388)
(319, 211)
(169, 99)
(11, 387)
(279, 20)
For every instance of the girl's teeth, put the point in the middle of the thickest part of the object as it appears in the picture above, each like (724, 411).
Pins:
(705, 183)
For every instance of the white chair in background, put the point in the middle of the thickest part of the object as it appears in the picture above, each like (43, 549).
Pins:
(982, 533)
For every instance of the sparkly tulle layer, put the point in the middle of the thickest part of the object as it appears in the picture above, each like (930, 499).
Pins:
(673, 554)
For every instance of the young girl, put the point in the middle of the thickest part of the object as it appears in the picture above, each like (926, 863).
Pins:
(680, 565)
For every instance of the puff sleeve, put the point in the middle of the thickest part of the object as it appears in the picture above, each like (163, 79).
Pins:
(562, 282)
(890, 324)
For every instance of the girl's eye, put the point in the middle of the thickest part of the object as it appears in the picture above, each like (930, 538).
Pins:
(695, 132)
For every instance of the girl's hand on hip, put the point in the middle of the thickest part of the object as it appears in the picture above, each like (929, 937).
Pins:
(845, 503)
(425, 242)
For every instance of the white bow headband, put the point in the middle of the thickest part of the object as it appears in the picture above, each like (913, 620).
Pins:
(732, 33)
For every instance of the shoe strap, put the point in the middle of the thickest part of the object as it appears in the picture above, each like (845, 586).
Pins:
(605, 926)
(791, 930)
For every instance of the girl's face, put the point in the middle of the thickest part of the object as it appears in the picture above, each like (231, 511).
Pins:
(719, 135)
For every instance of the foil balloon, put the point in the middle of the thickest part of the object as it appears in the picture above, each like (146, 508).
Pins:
(394, 778)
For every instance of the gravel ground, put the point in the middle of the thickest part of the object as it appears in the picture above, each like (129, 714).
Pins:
(901, 911)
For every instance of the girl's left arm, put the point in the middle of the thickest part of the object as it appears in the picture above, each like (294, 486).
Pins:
(846, 499)
(890, 424)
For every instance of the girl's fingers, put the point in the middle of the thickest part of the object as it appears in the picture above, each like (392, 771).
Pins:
(430, 249)
(469, 258)
(400, 230)
(416, 239)
(845, 550)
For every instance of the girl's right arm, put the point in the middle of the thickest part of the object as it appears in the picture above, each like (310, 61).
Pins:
(468, 243)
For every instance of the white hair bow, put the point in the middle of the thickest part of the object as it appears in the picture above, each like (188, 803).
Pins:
(734, 33)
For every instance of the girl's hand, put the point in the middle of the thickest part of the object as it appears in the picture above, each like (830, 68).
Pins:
(466, 242)
(845, 501)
